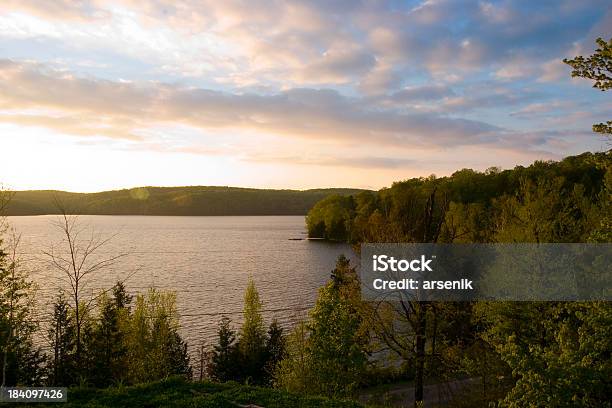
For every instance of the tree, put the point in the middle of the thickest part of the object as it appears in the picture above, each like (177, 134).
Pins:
(108, 341)
(155, 348)
(62, 338)
(78, 258)
(330, 218)
(275, 349)
(597, 67)
(544, 210)
(559, 353)
(417, 212)
(293, 373)
(338, 357)
(225, 358)
(326, 355)
(21, 360)
(252, 341)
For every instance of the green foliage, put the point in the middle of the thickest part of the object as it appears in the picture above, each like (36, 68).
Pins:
(173, 201)
(337, 356)
(563, 359)
(253, 358)
(20, 360)
(108, 346)
(545, 202)
(155, 349)
(293, 372)
(327, 354)
(178, 393)
(62, 337)
(520, 347)
(226, 358)
(544, 211)
(120, 346)
(330, 218)
(276, 345)
(597, 67)
(252, 340)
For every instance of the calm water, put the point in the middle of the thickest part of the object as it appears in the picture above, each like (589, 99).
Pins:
(206, 260)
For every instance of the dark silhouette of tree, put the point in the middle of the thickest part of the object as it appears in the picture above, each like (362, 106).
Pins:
(108, 347)
(21, 360)
(275, 349)
(62, 337)
(225, 356)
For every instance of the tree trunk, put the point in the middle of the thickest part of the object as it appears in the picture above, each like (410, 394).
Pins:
(420, 353)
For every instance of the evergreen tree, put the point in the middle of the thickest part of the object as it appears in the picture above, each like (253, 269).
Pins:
(275, 349)
(20, 361)
(108, 348)
(225, 357)
(62, 337)
(178, 357)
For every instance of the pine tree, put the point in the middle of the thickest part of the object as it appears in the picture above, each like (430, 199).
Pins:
(108, 346)
(224, 362)
(20, 361)
(275, 349)
(62, 337)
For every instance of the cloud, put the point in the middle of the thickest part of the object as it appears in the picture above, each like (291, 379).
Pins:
(58, 9)
(339, 65)
(543, 108)
(351, 162)
(370, 46)
(120, 109)
(383, 78)
(423, 93)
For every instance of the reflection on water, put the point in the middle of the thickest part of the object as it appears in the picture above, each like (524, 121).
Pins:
(207, 260)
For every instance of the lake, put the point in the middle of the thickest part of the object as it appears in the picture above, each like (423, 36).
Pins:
(206, 260)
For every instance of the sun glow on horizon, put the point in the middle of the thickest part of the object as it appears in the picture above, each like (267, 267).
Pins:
(98, 96)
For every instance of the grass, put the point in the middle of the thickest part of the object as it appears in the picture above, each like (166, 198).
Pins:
(178, 393)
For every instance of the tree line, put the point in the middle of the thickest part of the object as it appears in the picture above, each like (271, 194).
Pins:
(525, 353)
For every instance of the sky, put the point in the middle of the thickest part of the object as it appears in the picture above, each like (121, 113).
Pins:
(98, 95)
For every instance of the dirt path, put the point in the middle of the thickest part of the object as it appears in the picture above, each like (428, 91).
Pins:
(402, 395)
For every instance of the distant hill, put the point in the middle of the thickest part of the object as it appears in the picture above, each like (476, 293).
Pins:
(173, 201)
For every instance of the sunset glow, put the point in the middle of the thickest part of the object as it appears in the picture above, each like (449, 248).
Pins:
(98, 95)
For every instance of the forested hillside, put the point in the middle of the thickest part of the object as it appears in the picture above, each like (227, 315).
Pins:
(548, 201)
(172, 201)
